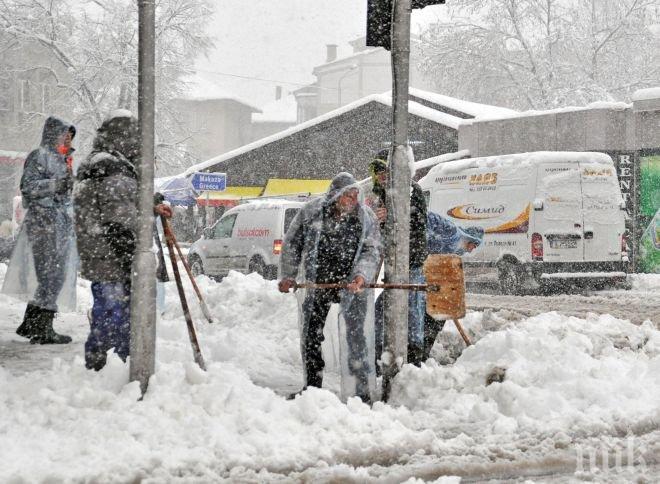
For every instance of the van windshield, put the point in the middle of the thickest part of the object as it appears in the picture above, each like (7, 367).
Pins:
(289, 215)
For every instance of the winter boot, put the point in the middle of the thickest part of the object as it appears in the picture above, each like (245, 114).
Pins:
(27, 329)
(45, 334)
(95, 360)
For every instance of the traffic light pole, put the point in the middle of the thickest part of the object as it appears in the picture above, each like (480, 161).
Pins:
(143, 281)
(397, 228)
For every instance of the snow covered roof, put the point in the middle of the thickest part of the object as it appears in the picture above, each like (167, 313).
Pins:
(198, 88)
(618, 106)
(520, 159)
(414, 108)
(283, 110)
(646, 94)
(476, 110)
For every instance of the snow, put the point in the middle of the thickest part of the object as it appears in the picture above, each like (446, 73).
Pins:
(421, 164)
(520, 159)
(473, 109)
(584, 275)
(283, 110)
(647, 94)
(386, 99)
(616, 106)
(198, 88)
(568, 380)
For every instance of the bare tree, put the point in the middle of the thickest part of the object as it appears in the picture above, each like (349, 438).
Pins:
(535, 54)
(97, 43)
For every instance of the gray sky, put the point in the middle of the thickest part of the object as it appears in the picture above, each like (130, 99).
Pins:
(280, 40)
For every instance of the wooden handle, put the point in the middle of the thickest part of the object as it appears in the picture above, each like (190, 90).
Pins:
(464, 335)
(370, 285)
(167, 229)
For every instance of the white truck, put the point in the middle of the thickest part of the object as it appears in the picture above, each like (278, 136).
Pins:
(248, 238)
(547, 216)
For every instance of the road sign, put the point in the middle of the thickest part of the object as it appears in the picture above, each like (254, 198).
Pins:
(216, 182)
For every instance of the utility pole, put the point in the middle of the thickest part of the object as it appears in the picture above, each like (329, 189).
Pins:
(143, 281)
(397, 227)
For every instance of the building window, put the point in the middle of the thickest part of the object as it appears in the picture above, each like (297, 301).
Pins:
(5, 93)
(25, 96)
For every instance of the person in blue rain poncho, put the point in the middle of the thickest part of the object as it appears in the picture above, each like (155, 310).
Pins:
(445, 237)
(43, 262)
(335, 239)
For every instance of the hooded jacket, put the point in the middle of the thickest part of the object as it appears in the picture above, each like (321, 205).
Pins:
(105, 201)
(304, 237)
(445, 237)
(45, 168)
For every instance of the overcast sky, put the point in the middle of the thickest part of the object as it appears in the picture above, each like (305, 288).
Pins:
(281, 41)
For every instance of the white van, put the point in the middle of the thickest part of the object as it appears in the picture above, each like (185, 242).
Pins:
(248, 238)
(547, 216)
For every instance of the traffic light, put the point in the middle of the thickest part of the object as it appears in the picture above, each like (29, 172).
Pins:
(379, 20)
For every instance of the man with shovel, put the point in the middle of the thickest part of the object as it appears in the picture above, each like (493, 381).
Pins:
(334, 239)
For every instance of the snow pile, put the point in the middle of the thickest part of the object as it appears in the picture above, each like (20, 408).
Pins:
(566, 379)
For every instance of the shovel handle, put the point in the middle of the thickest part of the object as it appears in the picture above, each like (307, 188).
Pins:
(370, 285)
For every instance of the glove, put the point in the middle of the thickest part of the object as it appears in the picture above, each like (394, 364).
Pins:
(64, 185)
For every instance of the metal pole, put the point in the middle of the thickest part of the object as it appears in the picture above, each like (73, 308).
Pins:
(397, 230)
(143, 284)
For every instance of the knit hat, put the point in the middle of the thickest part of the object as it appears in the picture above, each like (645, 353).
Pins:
(380, 162)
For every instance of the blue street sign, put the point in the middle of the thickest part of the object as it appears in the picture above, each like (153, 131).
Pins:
(215, 182)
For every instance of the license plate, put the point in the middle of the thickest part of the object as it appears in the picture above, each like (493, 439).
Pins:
(563, 243)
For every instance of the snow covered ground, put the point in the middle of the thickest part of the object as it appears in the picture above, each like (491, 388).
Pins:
(576, 388)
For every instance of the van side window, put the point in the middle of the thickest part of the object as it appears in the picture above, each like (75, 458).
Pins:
(289, 215)
(223, 228)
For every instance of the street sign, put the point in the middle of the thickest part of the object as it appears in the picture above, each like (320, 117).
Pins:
(215, 182)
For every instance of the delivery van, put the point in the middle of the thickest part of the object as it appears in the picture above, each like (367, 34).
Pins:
(247, 238)
(548, 217)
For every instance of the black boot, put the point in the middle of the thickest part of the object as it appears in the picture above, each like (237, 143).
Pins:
(28, 327)
(46, 335)
(95, 360)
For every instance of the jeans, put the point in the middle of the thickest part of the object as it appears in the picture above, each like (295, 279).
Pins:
(416, 311)
(315, 310)
(110, 327)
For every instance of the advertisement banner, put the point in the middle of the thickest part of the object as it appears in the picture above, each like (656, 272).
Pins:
(649, 210)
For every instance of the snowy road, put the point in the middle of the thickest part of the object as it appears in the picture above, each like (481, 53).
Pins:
(579, 381)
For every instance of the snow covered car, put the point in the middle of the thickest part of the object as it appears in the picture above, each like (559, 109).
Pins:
(547, 216)
(248, 238)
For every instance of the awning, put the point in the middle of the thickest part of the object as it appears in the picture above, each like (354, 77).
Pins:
(280, 186)
(228, 197)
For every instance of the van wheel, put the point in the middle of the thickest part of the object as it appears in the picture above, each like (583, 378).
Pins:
(196, 266)
(510, 278)
(257, 265)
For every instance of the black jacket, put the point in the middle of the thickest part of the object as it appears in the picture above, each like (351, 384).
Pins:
(418, 211)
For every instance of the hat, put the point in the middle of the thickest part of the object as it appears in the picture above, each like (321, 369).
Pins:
(473, 234)
(340, 182)
(380, 162)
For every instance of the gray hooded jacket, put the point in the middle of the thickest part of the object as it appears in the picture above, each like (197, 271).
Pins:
(301, 241)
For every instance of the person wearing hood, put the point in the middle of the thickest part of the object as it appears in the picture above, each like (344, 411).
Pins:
(379, 170)
(333, 239)
(105, 204)
(445, 237)
(46, 186)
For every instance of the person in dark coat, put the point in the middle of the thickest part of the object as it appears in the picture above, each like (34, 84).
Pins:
(105, 202)
(379, 170)
(445, 237)
(333, 239)
(46, 186)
